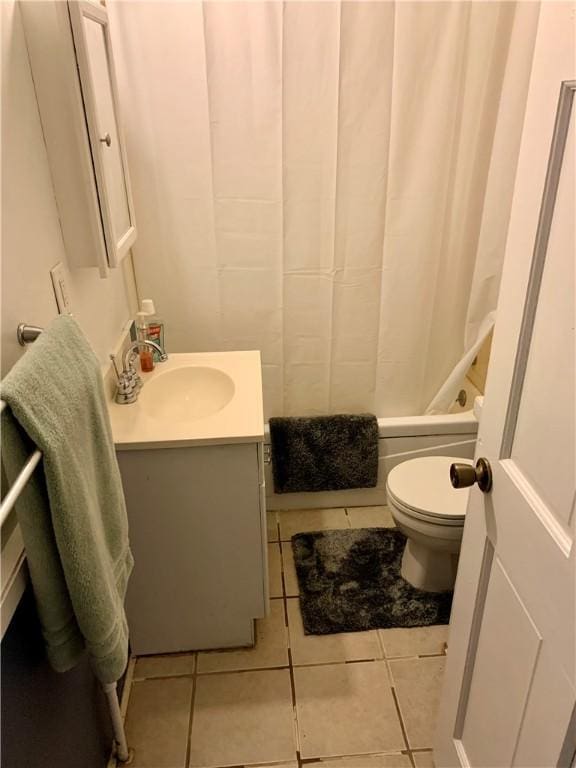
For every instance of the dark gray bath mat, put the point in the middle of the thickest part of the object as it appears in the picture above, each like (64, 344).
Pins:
(350, 581)
(324, 453)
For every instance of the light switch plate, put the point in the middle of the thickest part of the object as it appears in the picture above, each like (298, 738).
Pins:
(59, 276)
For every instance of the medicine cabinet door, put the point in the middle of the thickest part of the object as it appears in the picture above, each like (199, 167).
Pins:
(99, 91)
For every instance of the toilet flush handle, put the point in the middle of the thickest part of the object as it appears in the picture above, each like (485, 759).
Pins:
(465, 475)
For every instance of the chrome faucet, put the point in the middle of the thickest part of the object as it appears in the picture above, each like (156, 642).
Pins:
(129, 382)
(132, 351)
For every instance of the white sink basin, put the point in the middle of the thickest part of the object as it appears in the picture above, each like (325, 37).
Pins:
(194, 398)
(186, 394)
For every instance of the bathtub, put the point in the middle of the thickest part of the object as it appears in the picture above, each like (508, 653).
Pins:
(400, 438)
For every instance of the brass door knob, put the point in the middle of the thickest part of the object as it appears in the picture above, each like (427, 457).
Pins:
(465, 475)
(106, 139)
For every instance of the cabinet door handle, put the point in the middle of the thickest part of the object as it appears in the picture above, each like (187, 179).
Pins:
(107, 139)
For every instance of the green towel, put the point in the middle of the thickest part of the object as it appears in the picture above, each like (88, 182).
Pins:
(73, 515)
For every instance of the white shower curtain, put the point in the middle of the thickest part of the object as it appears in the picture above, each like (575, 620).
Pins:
(328, 182)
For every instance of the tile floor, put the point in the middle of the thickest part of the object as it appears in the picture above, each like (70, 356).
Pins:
(354, 700)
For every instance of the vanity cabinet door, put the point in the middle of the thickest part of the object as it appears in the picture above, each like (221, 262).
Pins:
(96, 68)
(198, 535)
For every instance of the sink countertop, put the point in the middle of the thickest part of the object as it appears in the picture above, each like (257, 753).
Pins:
(240, 421)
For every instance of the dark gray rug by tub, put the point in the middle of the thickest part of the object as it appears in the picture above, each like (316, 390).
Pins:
(324, 453)
(350, 581)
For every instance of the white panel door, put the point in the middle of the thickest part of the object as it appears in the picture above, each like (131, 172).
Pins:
(510, 688)
(96, 67)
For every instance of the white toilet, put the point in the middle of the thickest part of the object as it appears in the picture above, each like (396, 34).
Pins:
(430, 513)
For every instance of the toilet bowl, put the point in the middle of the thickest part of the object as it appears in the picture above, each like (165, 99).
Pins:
(430, 513)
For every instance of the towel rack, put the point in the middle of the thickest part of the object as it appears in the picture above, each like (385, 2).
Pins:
(25, 474)
(26, 334)
(29, 334)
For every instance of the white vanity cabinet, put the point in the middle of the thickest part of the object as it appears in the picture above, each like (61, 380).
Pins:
(198, 535)
(190, 451)
(73, 70)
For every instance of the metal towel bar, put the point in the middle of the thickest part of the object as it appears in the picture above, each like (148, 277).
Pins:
(110, 689)
(26, 334)
(25, 474)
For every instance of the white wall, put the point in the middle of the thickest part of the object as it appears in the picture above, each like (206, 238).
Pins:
(31, 236)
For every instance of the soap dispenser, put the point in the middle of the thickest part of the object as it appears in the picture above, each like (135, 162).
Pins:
(154, 326)
(146, 354)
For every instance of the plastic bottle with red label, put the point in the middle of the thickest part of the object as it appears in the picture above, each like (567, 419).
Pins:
(154, 327)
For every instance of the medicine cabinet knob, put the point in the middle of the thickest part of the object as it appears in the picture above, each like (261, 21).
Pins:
(465, 475)
(107, 139)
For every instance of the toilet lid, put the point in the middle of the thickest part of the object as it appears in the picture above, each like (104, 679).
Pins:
(423, 486)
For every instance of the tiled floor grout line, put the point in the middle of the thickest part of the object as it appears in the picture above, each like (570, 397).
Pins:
(286, 622)
(284, 587)
(191, 714)
(402, 726)
(290, 664)
(296, 724)
(397, 704)
(282, 576)
(275, 668)
(164, 677)
(381, 645)
(242, 671)
(291, 671)
(309, 762)
(370, 660)
(389, 669)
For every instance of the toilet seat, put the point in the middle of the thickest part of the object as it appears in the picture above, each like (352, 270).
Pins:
(421, 488)
(423, 517)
